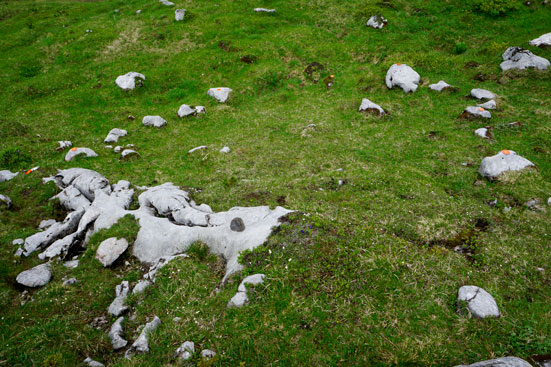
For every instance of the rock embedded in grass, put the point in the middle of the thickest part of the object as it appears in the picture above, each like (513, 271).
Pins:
(201, 147)
(225, 150)
(483, 132)
(141, 286)
(128, 153)
(70, 281)
(91, 363)
(482, 94)
(130, 81)
(185, 351)
(64, 144)
(166, 2)
(520, 58)
(114, 135)
(370, 107)
(116, 334)
(38, 276)
(221, 94)
(377, 22)
(403, 76)
(473, 112)
(179, 14)
(73, 152)
(542, 41)
(208, 354)
(253, 280)
(72, 264)
(441, 86)
(18, 242)
(478, 302)
(240, 299)
(155, 121)
(109, 250)
(118, 306)
(47, 223)
(6, 175)
(490, 105)
(506, 160)
(141, 344)
(6, 200)
(500, 362)
(264, 10)
(187, 110)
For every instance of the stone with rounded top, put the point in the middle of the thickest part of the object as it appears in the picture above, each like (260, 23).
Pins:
(38, 276)
(110, 250)
(73, 152)
(506, 160)
(520, 58)
(478, 302)
(221, 94)
(130, 80)
(368, 106)
(542, 41)
(155, 121)
(403, 76)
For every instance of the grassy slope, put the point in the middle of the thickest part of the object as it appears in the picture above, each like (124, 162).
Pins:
(371, 282)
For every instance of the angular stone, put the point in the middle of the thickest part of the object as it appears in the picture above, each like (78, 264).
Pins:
(6, 175)
(71, 264)
(114, 135)
(118, 306)
(482, 94)
(208, 354)
(84, 180)
(73, 152)
(519, 58)
(166, 2)
(483, 132)
(60, 247)
(542, 41)
(368, 106)
(221, 94)
(130, 80)
(110, 250)
(141, 345)
(91, 363)
(35, 277)
(478, 302)
(179, 14)
(186, 110)
(70, 281)
(377, 22)
(141, 286)
(64, 144)
(472, 112)
(155, 121)
(500, 362)
(128, 153)
(18, 242)
(116, 334)
(506, 160)
(186, 350)
(490, 105)
(440, 86)
(403, 76)
(251, 280)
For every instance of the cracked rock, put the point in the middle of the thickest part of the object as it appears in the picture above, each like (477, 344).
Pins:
(141, 344)
(110, 250)
(441, 85)
(221, 94)
(73, 152)
(114, 135)
(500, 362)
(118, 306)
(472, 112)
(477, 301)
(368, 106)
(403, 76)
(155, 121)
(35, 277)
(377, 22)
(186, 350)
(542, 41)
(6, 175)
(130, 80)
(482, 94)
(116, 334)
(179, 14)
(506, 160)
(519, 58)
(6, 200)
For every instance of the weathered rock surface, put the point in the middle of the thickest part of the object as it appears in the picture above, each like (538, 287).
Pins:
(141, 345)
(118, 306)
(73, 152)
(368, 106)
(187, 110)
(240, 299)
(114, 135)
(500, 362)
(6, 175)
(72, 264)
(483, 132)
(542, 41)
(440, 86)
(221, 94)
(128, 153)
(35, 277)
(208, 354)
(130, 80)
(156, 121)
(506, 160)
(70, 281)
(473, 112)
(482, 94)
(64, 144)
(403, 76)
(186, 350)
(225, 150)
(18, 242)
(6, 200)
(141, 286)
(91, 363)
(377, 22)
(116, 334)
(490, 105)
(179, 14)
(47, 223)
(264, 10)
(110, 250)
(478, 302)
(519, 58)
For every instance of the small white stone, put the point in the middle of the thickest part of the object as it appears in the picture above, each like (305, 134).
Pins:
(377, 22)
(264, 10)
(91, 363)
(240, 299)
(73, 152)
(221, 94)
(70, 281)
(35, 277)
(368, 106)
(225, 150)
(251, 280)
(473, 112)
(129, 80)
(478, 302)
(127, 153)
(490, 105)
(156, 121)
(208, 354)
(482, 94)
(141, 286)
(110, 250)
(71, 264)
(440, 86)
(64, 144)
(482, 132)
(186, 350)
(18, 242)
(542, 41)
(6, 175)
(197, 148)
(114, 135)
(403, 76)
(166, 2)
(6, 200)
(47, 223)
(179, 14)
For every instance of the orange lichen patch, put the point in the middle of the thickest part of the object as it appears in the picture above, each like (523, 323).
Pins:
(218, 89)
(399, 64)
(480, 109)
(73, 149)
(506, 152)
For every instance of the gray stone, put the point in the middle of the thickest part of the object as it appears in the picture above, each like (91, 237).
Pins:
(116, 334)
(86, 181)
(542, 41)
(264, 10)
(186, 110)
(179, 14)
(251, 280)
(35, 277)
(90, 362)
(130, 80)
(240, 299)
(490, 105)
(197, 148)
(141, 344)
(71, 264)
(483, 132)
(141, 286)
(6, 175)
(70, 281)
(519, 58)
(482, 94)
(73, 152)
(118, 306)
(225, 150)
(506, 160)
(237, 225)
(368, 106)
(166, 2)
(127, 153)
(221, 94)
(208, 354)
(60, 247)
(473, 112)
(440, 86)
(478, 302)
(186, 350)
(500, 362)
(47, 223)
(110, 250)
(532, 204)
(114, 135)
(377, 22)
(155, 121)
(18, 242)
(64, 144)
(6, 200)
(403, 76)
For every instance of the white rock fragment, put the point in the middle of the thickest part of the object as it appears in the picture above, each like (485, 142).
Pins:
(440, 86)
(35, 277)
(179, 14)
(156, 121)
(221, 94)
(519, 58)
(478, 302)
(71, 264)
(110, 250)
(368, 106)
(91, 363)
(197, 148)
(166, 2)
(542, 41)
(549, 201)
(490, 105)
(130, 80)
(70, 281)
(141, 286)
(59, 248)
(127, 153)
(473, 112)
(482, 94)
(138, 11)
(500, 362)
(225, 150)
(186, 110)
(264, 10)
(118, 306)
(377, 22)
(403, 76)
(483, 132)
(114, 135)
(64, 144)
(6, 175)
(186, 350)
(18, 242)
(208, 354)
(141, 344)
(506, 160)
(117, 149)
(116, 334)
(6, 200)
(73, 152)
(240, 299)
(47, 223)
(159, 264)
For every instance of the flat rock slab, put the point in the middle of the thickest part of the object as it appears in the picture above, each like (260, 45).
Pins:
(473, 112)
(506, 160)
(73, 152)
(110, 250)
(155, 121)
(368, 106)
(478, 302)
(18, 242)
(490, 105)
(6, 175)
(130, 80)
(377, 22)
(114, 135)
(38, 276)
(482, 94)
(542, 41)
(500, 362)
(520, 58)
(221, 94)
(179, 14)
(403, 76)
(442, 85)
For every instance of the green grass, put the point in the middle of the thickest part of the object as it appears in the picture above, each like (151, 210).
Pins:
(368, 277)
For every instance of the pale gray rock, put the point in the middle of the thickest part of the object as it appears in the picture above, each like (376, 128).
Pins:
(47, 223)
(6, 200)
(159, 264)
(73, 152)
(490, 105)
(506, 160)
(91, 363)
(84, 180)
(200, 109)
(116, 334)
(368, 106)
(155, 121)
(72, 199)
(549, 201)
(197, 148)
(482, 94)
(70, 281)
(60, 247)
(141, 286)
(264, 10)
(208, 354)
(190, 216)
(138, 11)
(186, 350)
(473, 112)
(377, 22)
(19, 252)
(519, 58)
(118, 306)
(187, 110)
(18, 242)
(72, 264)
(482, 132)
(179, 14)
(114, 135)
(500, 362)
(240, 299)
(64, 144)
(127, 153)
(141, 345)
(130, 80)
(6, 175)
(166, 2)
(253, 280)
(477, 301)
(225, 150)
(38, 276)
(542, 41)
(440, 86)
(221, 94)
(403, 76)
(109, 250)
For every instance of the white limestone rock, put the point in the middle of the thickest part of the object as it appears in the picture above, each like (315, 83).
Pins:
(490, 105)
(47, 223)
(128, 153)
(477, 301)
(542, 41)
(506, 160)
(240, 299)
(114, 135)
(18, 242)
(141, 286)
(403, 76)
(208, 354)
(118, 306)
(155, 121)
(185, 351)
(368, 106)
(70, 281)
(110, 250)
(116, 334)
(221, 94)
(483, 132)
(60, 247)
(130, 80)
(159, 264)
(166, 2)
(6, 175)
(377, 22)
(179, 14)
(64, 144)
(197, 148)
(440, 86)
(500, 362)
(519, 58)
(186, 110)
(73, 152)
(91, 363)
(141, 345)
(38, 276)
(482, 94)
(6, 200)
(225, 150)
(264, 10)
(253, 280)
(72, 264)
(473, 112)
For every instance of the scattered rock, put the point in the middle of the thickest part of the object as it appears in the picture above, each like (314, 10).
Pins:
(114, 135)
(500, 362)
(70, 281)
(532, 204)
(141, 344)
(186, 110)
(225, 150)
(549, 201)
(483, 132)
(519, 58)
(186, 350)
(220, 94)
(18, 242)
(116, 334)
(130, 80)
(35, 277)
(156, 121)
(478, 302)
(110, 250)
(368, 106)
(138, 11)
(166, 2)
(128, 153)
(90, 362)
(542, 41)
(377, 22)
(208, 354)
(45, 224)
(197, 148)
(403, 76)
(264, 10)
(64, 144)
(6, 200)
(472, 112)
(71, 264)
(490, 105)
(482, 94)
(141, 286)
(240, 299)
(73, 152)
(131, 118)
(237, 225)
(442, 85)
(6, 175)
(179, 14)
(506, 160)
(253, 280)
(118, 306)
